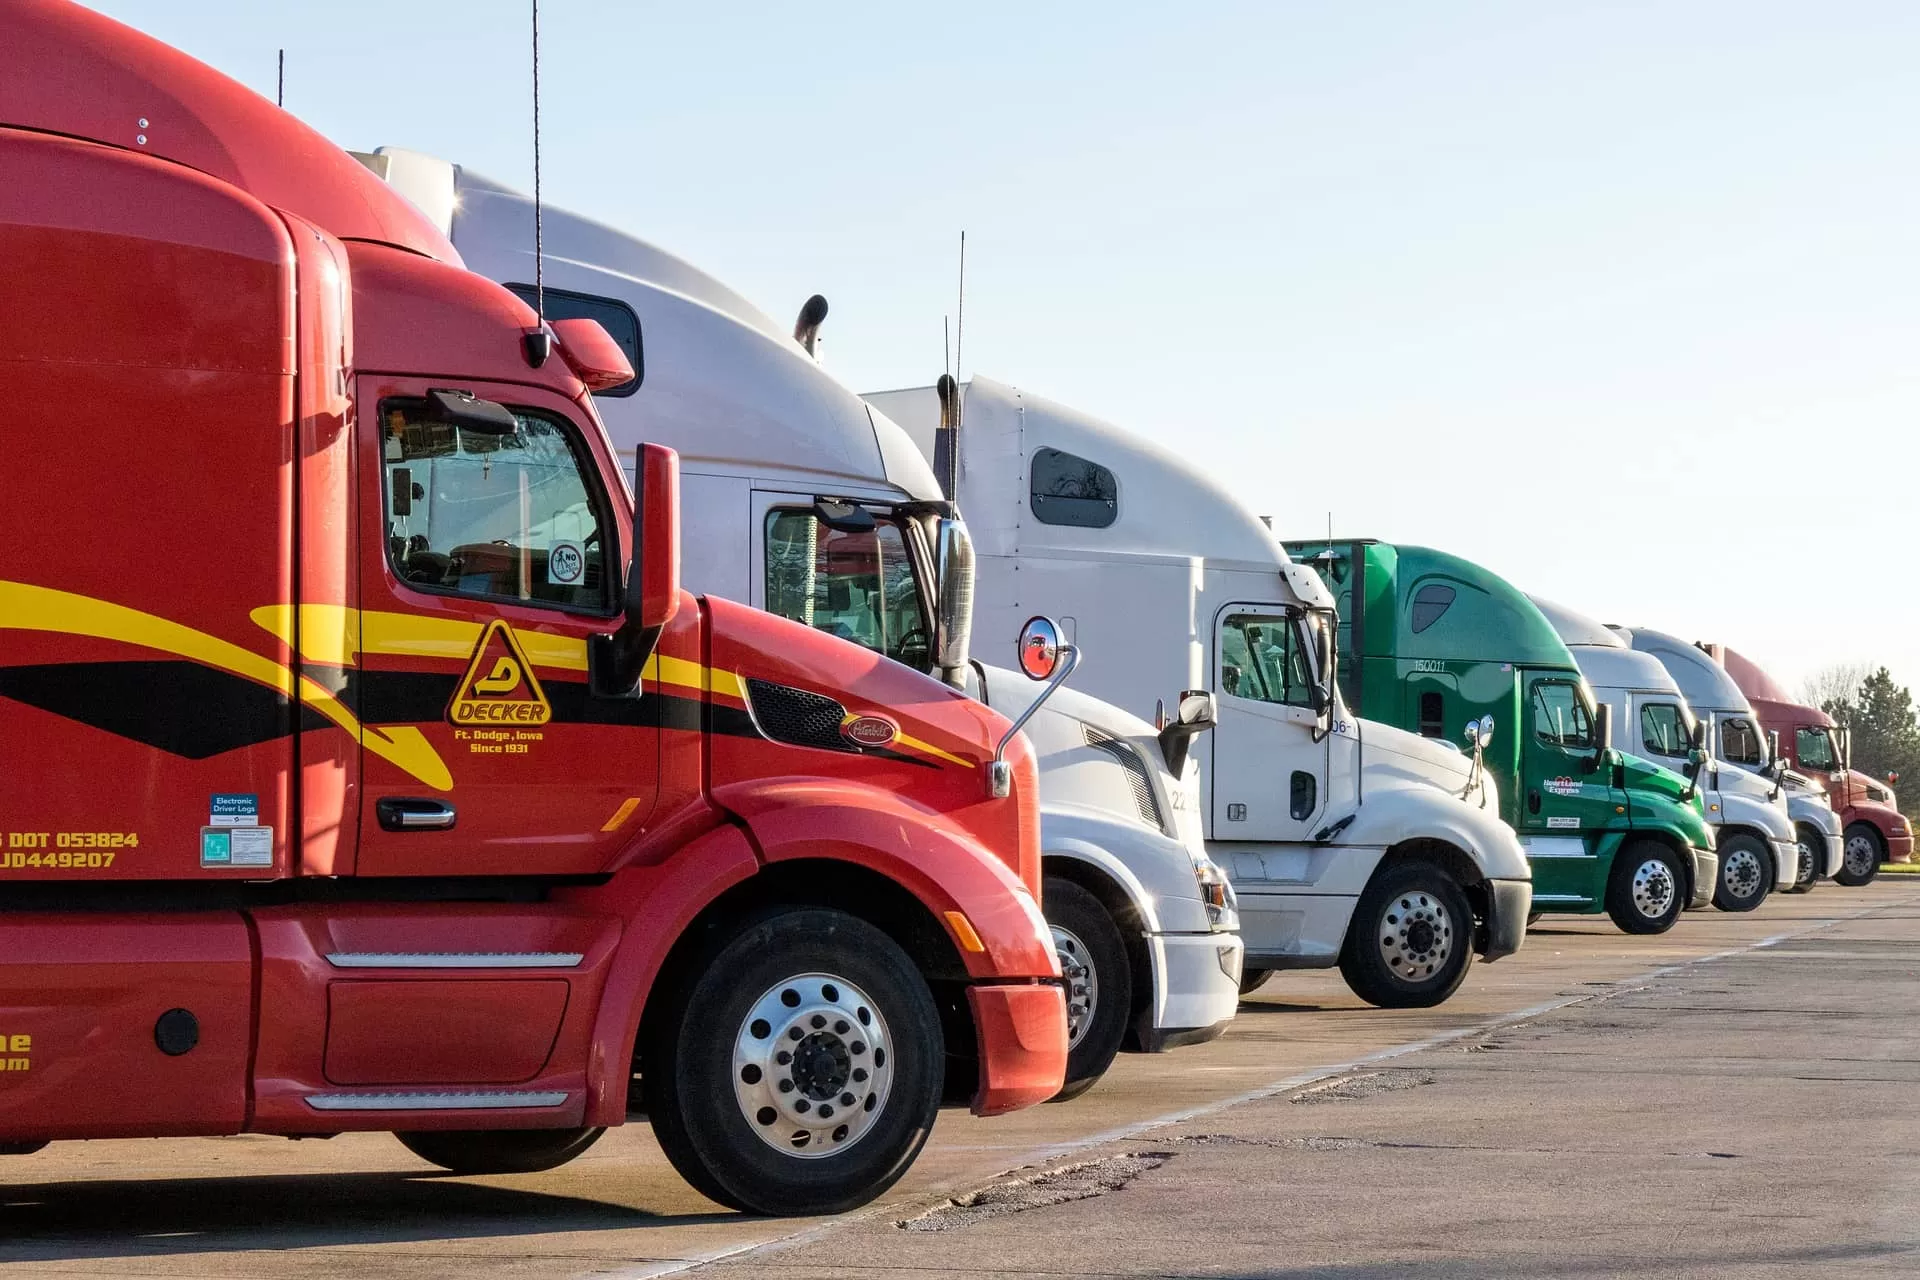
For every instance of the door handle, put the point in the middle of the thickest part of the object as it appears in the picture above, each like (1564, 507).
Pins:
(398, 813)
(1533, 801)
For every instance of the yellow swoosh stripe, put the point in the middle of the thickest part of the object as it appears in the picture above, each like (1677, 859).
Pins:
(29, 608)
(909, 740)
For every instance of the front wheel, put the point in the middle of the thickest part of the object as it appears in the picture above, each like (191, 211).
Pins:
(1809, 847)
(474, 1151)
(1862, 852)
(1251, 980)
(1093, 959)
(1644, 893)
(798, 1065)
(1746, 874)
(1410, 940)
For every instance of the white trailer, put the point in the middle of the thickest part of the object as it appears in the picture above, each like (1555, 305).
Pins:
(1349, 842)
(1753, 832)
(1737, 741)
(799, 498)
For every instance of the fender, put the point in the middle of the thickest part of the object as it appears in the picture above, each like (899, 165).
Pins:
(1394, 814)
(1745, 811)
(1093, 839)
(932, 858)
(657, 904)
(1815, 814)
(1878, 816)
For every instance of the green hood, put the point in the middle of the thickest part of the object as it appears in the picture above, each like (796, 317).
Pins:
(1660, 794)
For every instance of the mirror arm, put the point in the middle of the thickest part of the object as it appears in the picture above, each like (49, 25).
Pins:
(999, 772)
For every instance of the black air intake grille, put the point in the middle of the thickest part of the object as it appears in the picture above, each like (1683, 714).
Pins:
(1129, 759)
(796, 717)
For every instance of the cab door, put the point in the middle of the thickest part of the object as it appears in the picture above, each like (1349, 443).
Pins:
(1566, 801)
(1270, 768)
(489, 558)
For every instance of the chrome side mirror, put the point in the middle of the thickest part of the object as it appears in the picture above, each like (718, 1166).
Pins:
(1043, 656)
(953, 623)
(1198, 711)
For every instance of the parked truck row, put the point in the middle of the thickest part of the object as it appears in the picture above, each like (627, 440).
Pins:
(501, 696)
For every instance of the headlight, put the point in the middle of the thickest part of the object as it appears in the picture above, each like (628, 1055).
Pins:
(1216, 894)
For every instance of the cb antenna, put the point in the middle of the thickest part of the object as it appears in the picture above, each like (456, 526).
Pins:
(280, 82)
(538, 343)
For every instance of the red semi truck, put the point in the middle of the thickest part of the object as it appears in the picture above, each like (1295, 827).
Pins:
(363, 765)
(1875, 829)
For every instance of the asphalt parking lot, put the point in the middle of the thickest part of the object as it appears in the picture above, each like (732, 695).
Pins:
(1727, 1099)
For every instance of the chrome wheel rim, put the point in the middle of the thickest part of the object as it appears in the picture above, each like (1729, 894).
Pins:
(812, 1065)
(1805, 874)
(1862, 857)
(1416, 936)
(1742, 873)
(1083, 984)
(1653, 888)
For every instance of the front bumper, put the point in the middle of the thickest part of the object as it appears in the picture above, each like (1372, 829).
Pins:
(1706, 876)
(1199, 978)
(1022, 1033)
(1900, 847)
(1836, 855)
(1509, 903)
(1786, 863)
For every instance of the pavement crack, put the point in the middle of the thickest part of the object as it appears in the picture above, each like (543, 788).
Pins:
(1366, 1084)
(1071, 1182)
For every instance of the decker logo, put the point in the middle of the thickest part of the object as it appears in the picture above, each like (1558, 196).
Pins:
(499, 687)
(869, 731)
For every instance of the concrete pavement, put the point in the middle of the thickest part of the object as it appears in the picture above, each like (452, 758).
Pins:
(1597, 1105)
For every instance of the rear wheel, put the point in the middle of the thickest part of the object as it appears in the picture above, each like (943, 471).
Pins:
(1861, 855)
(1093, 959)
(1644, 893)
(499, 1150)
(1746, 873)
(1807, 846)
(1411, 938)
(797, 1067)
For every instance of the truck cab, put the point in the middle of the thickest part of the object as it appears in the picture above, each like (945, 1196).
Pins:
(1875, 830)
(816, 507)
(1323, 821)
(1754, 834)
(363, 763)
(1435, 644)
(1738, 740)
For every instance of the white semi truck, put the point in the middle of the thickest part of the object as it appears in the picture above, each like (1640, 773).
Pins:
(800, 499)
(1350, 843)
(1753, 831)
(1738, 742)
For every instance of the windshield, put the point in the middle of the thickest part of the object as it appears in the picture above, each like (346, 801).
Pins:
(1814, 749)
(859, 586)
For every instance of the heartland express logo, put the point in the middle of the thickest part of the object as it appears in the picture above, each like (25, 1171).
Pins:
(1563, 786)
(499, 687)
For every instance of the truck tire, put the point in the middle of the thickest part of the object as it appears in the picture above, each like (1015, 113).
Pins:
(1251, 980)
(1645, 891)
(1746, 873)
(1093, 958)
(474, 1151)
(796, 1066)
(1861, 853)
(1806, 841)
(1410, 940)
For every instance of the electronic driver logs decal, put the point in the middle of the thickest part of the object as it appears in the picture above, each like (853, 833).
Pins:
(499, 687)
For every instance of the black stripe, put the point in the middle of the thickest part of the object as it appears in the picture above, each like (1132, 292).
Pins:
(183, 708)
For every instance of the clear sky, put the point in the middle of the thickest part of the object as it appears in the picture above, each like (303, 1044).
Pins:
(1619, 299)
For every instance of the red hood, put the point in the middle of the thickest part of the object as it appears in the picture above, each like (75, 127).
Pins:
(70, 70)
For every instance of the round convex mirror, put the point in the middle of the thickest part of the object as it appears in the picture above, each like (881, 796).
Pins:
(1039, 648)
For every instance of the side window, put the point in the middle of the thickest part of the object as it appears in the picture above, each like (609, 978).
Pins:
(1429, 603)
(496, 517)
(1431, 711)
(858, 586)
(1814, 749)
(1559, 717)
(1070, 490)
(1740, 742)
(1261, 659)
(1661, 732)
(615, 316)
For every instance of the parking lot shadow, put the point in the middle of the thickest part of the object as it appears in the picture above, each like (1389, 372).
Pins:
(134, 1218)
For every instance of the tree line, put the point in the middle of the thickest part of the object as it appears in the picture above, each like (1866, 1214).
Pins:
(1880, 714)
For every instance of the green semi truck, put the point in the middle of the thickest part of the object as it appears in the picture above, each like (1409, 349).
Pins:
(1434, 644)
